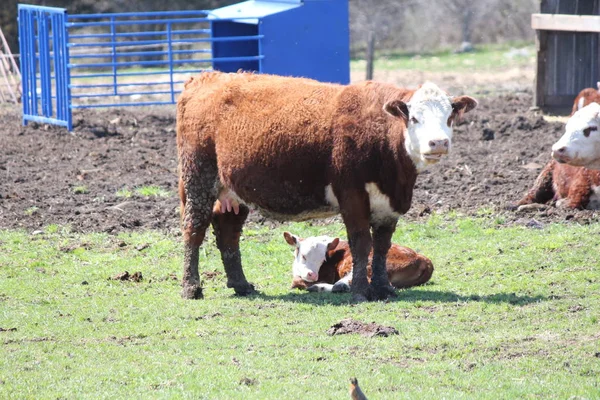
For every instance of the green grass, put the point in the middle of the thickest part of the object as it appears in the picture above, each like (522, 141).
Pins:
(485, 57)
(81, 189)
(152, 191)
(124, 192)
(511, 312)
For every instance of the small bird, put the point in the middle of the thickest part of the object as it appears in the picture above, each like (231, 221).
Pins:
(355, 392)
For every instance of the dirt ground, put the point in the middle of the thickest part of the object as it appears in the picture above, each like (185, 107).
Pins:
(51, 176)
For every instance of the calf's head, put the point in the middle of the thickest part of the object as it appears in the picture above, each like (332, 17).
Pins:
(429, 117)
(309, 254)
(580, 144)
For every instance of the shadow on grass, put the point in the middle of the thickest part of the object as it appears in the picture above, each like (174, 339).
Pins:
(408, 296)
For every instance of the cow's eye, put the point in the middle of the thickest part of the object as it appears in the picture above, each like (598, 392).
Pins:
(588, 130)
(304, 258)
(414, 120)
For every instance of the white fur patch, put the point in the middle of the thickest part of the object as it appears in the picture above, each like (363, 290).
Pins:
(594, 203)
(580, 103)
(330, 197)
(428, 110)
(380, 204)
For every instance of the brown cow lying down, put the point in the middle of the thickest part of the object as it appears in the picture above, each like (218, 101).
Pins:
(567, 185)
(585, 97)
(321, 261)
(296, 149)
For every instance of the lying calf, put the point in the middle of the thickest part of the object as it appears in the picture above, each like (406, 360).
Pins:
(567, 186)
(565, 180)
(323, 264)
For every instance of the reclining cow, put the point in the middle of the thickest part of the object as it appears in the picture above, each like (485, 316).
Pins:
(566, 180)
(323, 264)
(296, 149)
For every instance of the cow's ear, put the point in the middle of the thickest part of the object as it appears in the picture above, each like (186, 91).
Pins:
(396, 108)
(292, 240)
(463, 104)
(333, 244)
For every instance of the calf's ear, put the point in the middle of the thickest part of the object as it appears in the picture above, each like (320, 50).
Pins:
(333, 244)
(292, 240)
(463, 104)
(396, 108)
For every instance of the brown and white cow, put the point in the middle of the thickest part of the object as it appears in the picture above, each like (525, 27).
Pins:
(323, 264)
(566, 180)
(295, 149)
(580, 144)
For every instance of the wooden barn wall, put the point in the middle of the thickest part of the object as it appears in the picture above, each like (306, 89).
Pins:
(572, 58)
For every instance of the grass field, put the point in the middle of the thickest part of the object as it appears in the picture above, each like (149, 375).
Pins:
(511, 312)
(484, 57)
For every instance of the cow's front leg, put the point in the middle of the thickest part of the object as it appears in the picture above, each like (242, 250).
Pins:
(355, 209)
(227, 226)
(382, 240)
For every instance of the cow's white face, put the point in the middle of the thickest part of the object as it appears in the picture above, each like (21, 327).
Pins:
(580, 144)
(309, 254)
(429, 117)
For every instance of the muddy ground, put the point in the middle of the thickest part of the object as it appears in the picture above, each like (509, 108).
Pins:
(83, 178)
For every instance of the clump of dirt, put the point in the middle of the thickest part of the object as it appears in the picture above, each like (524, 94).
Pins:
(126, 276)
(8, 329)
(347, 326)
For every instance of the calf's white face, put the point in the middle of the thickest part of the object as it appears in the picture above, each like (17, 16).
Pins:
(429, 117)
(309, 254)
(580, 144)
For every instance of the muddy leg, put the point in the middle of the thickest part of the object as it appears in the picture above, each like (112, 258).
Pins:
(382, 240)
(198, 195)
(228, 228)
(354, 206)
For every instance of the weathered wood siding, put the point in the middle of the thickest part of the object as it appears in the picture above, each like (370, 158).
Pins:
(567, 61)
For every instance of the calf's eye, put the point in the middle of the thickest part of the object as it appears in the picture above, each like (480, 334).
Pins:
(588, 130)
(414, 120)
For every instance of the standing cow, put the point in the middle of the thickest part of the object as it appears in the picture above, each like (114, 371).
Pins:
(298, 149)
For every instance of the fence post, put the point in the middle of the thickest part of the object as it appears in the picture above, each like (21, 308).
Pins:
(370, 54)
(170, 51)
(113, 39)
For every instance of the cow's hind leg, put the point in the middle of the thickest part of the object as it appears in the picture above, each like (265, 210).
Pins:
(382, 240)
(228, 228)
(198, 194)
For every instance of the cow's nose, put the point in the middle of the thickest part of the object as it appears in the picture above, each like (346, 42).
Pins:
(312, 275)
(439, 144)
(561, 150)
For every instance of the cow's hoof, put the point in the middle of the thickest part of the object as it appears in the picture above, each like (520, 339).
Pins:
(384, 292)
(359, 298)
(245, 289)
(340, 287)
(192, 292)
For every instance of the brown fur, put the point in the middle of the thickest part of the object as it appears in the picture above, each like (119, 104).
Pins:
(570, 186)
(405, 267)
(277, 142)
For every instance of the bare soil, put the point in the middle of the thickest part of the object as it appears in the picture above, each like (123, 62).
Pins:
(51, 176)
(350, 326)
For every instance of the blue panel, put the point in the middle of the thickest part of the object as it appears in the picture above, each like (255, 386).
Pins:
(310, 41)
(234, 49)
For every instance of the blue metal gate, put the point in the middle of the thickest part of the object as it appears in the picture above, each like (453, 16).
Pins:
(44, 65)
(134, 59)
